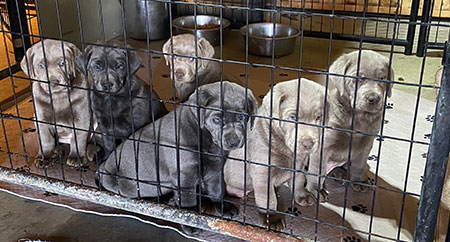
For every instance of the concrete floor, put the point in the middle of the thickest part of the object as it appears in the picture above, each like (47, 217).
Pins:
(24, 218)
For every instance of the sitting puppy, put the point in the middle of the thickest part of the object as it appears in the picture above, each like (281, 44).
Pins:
(120, 99)
(184, 67)
(286, 144)
(53, 66)
(367, 117)
(157, 154)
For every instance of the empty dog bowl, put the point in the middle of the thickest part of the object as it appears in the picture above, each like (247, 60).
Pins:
(208, 27)
(260, 38)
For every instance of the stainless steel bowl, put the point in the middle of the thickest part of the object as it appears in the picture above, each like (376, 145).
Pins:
(260, 38)
(181, 25)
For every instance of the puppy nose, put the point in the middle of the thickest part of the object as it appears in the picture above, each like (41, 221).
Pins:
(179, 74)
(373, 98)
(106, 85)
(233, 140)
(308, 143)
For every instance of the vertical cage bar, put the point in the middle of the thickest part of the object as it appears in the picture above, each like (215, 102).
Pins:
(437, 159)
(18, 24)
(412, 26)
(426, 19)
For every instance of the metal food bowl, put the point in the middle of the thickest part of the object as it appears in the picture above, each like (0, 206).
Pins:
(260, 37)
(185, 24)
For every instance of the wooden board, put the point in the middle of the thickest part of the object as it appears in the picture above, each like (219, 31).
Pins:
(441, 7)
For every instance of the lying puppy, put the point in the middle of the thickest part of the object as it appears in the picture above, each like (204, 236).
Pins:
(61, 78)
(368, 116)
(211, 122)
(184, 68)
(283, 146)
(115, 110)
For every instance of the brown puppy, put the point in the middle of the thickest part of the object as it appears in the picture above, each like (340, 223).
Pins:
(56, 74)
(286, 142)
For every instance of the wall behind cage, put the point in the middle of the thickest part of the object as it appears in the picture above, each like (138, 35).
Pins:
(91, 22)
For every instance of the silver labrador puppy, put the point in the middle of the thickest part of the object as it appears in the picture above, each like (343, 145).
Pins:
(369, 104)
(157, 155)
(58, 75)
(286, 143)
(185, 69)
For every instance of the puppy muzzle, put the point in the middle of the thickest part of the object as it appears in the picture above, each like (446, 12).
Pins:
(372, 102)
(307, 144)
(232, 141)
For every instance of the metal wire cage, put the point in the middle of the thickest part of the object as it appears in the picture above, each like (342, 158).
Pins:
(411, 140)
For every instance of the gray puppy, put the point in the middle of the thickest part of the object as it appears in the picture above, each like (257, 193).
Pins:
(156, 153)
(58, 75)
(120, 99)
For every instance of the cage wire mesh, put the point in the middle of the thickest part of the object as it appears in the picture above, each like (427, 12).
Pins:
(271, 157)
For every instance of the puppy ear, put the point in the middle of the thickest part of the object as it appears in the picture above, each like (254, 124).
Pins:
(205, 49)
(82, 60)
(204, 99)
(389, 85)
(73, 53)
(252, 107)
(134, 61)
(166, 49)
(340, 66)
(30, 67)
(278, 98)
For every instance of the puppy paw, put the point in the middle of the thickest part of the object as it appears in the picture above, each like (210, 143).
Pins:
(323, 195)
(73, 162)
(339, 172)
(275, 221)
(306, 200)
(41, 162)
(190, 230)
(229, 210)
(360, 188)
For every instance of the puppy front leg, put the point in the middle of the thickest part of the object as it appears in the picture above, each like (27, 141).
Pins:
(214, 187)
(302, 196)
(312, 184)
(264, 194)
(78, 147)
(184, 89)
(108, 145)
(358, 170)
(46, 154)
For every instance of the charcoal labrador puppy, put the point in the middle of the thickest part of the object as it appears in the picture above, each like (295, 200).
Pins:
(120, 99)
(156, 151)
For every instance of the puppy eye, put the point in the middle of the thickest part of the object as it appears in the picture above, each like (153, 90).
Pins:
(241, 117)
(62, 63)
(318, 117)
(217, 119)
(118, 66)
(191, 59)
(98, 66)
(293, 118)
(41, 66)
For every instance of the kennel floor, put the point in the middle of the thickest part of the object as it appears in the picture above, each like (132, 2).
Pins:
(398, 170)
